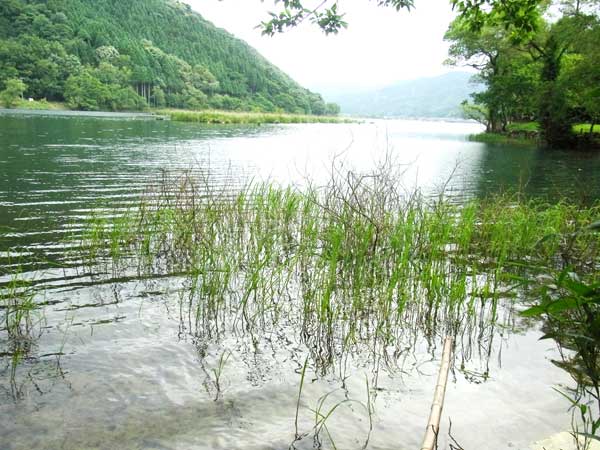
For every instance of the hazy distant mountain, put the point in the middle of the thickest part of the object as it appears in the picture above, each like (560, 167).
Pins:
(424, 97)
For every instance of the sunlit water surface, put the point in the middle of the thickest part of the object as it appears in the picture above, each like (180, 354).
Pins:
(112, 366)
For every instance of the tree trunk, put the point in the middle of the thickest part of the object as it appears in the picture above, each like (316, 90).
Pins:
(555, 124)
(495, 123)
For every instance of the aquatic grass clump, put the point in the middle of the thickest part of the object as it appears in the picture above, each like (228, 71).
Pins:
(21, 323)
(18, 318)
(248, 118)
(353, 267)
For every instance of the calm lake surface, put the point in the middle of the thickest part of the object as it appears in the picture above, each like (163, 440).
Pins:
(112, 368)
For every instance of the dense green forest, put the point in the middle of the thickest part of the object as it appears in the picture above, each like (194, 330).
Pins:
(549, 74)
(128, 55)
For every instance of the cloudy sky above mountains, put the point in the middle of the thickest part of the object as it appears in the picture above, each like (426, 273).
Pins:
(379, 47)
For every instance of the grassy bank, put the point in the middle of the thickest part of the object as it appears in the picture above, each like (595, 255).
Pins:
(232, 117)
(586, 128)
(504, 139)
(42, 105)
(528, 133)
(520, 134)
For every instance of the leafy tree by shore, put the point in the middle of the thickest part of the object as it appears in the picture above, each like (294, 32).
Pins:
(13, 91)
(550, 74)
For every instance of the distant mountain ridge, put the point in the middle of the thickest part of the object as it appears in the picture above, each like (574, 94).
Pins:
(430, 97)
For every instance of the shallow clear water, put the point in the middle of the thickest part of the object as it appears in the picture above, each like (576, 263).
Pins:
(113, 366)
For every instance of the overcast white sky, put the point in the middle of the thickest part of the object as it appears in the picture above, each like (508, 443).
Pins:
(380, 46)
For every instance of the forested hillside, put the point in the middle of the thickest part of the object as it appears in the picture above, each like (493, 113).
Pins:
(114, 54)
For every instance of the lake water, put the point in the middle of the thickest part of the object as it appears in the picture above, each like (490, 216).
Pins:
(111, 366)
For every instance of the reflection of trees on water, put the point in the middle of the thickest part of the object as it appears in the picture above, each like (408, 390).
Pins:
(57, 171)
(550, 174)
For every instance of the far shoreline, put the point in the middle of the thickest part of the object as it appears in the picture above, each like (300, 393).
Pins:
(74, 113)
(215, 117)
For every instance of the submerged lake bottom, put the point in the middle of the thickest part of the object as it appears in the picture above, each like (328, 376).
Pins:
(126, 379)
(120, 355)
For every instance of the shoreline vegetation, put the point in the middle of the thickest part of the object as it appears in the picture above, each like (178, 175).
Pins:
(215, 117)
(528, 134)
(38, 105)
(503, 139)
(235, 117)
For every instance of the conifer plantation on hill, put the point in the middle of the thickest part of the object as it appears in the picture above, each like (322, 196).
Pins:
(127, 55)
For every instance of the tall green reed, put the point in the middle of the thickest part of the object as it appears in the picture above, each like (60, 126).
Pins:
(356, 264)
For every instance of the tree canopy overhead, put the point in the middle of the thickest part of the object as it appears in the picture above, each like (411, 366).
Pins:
(328, 15)
(325, 14)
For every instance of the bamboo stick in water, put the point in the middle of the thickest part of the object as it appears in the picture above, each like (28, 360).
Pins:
(433, 426)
